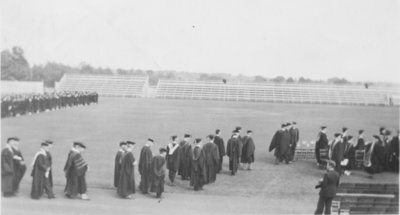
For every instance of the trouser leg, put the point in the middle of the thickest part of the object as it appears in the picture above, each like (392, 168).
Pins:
(320, 206)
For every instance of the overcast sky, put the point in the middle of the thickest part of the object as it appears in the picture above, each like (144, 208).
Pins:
(358, 39)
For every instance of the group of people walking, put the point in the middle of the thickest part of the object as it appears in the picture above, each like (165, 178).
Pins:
(21, 104)
(284, 142)
(380, 154)
(198, 161)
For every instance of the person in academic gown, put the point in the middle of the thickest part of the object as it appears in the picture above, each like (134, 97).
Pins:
(49, 158)
(118, 161)
(238, 129)
(158, 173)
(248, 150)
(321, 143)
(173, 158)
(232, 151)
(360, 142)
(40, 174)
(350, 155)
(394, 153)
(75, 171)
(221, 148)
(185, 157)
(294, 138)
(211, 154)
(373, 156)
(19, 165)
(280, 142)
(197, 178)
(7, 169)
(145, 166)
(126, 185)
(336, 152)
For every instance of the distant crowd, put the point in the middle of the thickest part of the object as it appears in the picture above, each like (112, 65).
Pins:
(22, 104)
(195, 161)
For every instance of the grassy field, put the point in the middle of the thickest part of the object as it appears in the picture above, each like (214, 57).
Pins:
(101, 127)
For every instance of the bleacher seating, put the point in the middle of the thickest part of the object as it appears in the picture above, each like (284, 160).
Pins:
(362, 198)
(290, 93)
(106, 85)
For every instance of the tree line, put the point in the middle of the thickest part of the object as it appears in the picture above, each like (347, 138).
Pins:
(14, 66)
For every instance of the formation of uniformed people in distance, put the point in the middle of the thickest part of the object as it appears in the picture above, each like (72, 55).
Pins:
(284, 142)
(22, 104)
(380, 154)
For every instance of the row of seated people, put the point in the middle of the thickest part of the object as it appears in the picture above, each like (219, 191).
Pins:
(29, 103)
(381, 154)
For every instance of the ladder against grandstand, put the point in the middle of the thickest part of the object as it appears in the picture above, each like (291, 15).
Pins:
(269, 92)
(106, 85)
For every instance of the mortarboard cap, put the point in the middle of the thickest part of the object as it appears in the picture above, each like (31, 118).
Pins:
(344, 129)
(122, 143)
(187, 136)
(337, 135)
(249, 131)
(197, 140)
(49, 142)
(376, 137)
(162, 150)
(238, 128)
(174, 137)
(80, 144)
(151, 140)
(44, 143)
(323, 127)
(130, 142)
(211, 137)
(294, 123)
(12, 138)
(360, 131)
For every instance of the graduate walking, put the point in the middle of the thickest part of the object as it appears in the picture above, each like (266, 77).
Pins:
(75, 172)
(40, 173)
(126, 185)
(145, 166)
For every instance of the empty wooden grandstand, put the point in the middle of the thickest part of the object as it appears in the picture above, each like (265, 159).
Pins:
(363, 198)
(106, 85)
(291, 93)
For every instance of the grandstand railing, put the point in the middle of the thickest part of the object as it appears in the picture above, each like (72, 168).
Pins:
(106, 85)
(290, 93)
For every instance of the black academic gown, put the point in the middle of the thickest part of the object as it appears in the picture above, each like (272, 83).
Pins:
(75, 170)
(7, 171)
(185, 160)
(280, 142)
(221, 149)
(19, 168)
(394, 154)
(197, 178)
(337, 153)
(38, 176)
(173, 159)
(232, 151)
(211, 155)
(322, 143)
(117, 166)
(158, 174)
(376, 158)
(126, 184)
(145, 168)
(49, 158)
(248, 150)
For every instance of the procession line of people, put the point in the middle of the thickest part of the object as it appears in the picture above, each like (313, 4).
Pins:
(197, 162)
(30, 103)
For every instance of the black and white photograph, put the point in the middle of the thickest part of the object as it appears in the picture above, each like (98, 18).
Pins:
(199, 107)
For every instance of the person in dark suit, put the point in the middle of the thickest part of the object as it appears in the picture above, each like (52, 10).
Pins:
(328, 185)
(336, 152)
